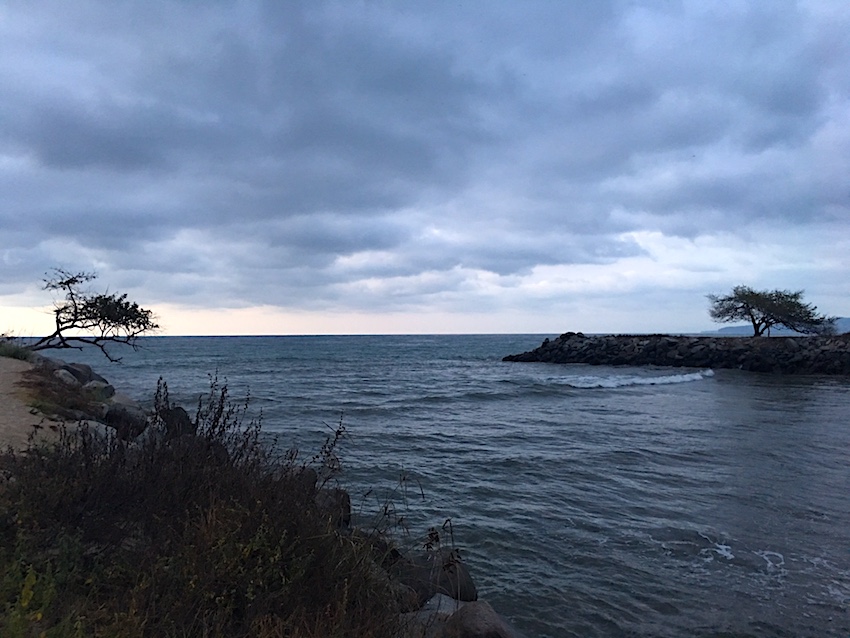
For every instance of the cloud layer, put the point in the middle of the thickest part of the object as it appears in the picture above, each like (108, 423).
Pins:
(568, 161)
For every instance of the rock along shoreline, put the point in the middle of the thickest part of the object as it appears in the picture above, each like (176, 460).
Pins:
(777, 355)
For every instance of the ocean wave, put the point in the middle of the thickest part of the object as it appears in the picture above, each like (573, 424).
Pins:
(621, 381)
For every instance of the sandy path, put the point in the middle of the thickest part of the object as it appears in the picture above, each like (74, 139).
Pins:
(16, 420)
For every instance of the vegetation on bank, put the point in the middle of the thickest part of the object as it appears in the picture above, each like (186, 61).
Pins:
(13, 349)
(206, 535)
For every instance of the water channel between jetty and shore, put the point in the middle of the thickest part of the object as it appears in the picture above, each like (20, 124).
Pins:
(588, 500)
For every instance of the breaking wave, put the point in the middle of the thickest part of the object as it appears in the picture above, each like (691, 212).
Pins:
(591, 381)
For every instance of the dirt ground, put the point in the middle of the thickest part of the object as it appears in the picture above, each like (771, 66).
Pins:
(16, 419)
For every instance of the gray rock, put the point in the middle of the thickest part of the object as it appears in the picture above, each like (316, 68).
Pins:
(49, 363)
(477, 620)
(79, 415)
(453, 578)
(430, 621)
(414, 574)
(119, 398)
(128, 421)
(67, 378)
(441, 571)
(83, 372)
(442, 606)
(97, 430)
(151, 436)
(99, 390)
(176, 422)
(39, 360)
(99, 410)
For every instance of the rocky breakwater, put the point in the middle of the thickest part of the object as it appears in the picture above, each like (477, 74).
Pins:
(778, 355)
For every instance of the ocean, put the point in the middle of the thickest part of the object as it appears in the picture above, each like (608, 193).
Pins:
(587, 501)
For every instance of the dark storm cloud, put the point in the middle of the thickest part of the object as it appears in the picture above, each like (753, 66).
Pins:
(281, 152)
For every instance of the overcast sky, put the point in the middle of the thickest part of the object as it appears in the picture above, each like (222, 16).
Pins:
(391, 167)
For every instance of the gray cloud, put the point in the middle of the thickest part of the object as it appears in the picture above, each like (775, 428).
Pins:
(284, 153)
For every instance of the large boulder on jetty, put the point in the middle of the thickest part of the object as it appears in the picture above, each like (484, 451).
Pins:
(777, 355)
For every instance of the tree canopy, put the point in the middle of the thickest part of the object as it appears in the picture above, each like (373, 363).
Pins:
(85, 318)
(765, 309)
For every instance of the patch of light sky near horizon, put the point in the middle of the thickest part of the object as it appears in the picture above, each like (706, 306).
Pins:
(692, 267)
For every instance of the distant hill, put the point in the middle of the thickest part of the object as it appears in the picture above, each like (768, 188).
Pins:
(842, 325)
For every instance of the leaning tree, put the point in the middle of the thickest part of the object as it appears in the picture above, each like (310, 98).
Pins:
(86, 318)
(765, 309)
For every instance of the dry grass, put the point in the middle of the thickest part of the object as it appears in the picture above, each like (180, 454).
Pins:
(210, 535)
(10, 347)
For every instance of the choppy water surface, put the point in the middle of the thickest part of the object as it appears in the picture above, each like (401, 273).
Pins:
(591, 501)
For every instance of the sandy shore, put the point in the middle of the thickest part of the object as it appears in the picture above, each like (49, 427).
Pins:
(16, 418)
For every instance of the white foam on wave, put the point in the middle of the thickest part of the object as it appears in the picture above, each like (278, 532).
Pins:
(774, 561)
(839, 591)
(723, 550)
(719, 549)
(621, 381)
